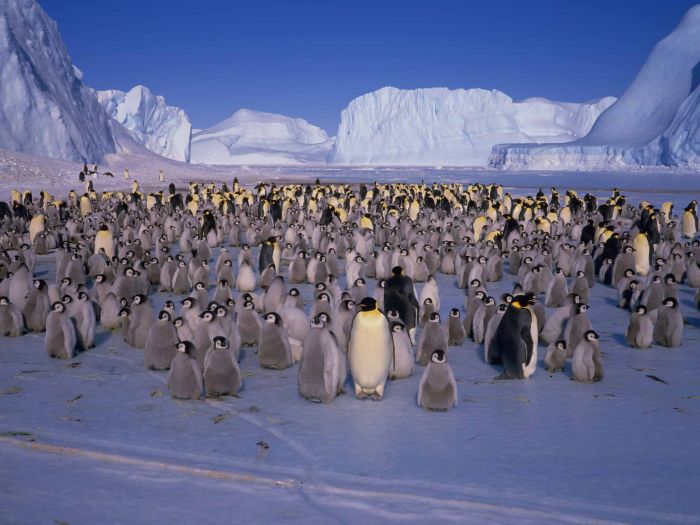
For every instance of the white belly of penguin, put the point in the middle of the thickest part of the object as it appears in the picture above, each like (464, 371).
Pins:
(370, 351)
(528, 370)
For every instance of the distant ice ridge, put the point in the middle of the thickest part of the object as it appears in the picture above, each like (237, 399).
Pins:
(439, 126)
(165, 130)
(44, 107)
(254, 137)
(655, 122)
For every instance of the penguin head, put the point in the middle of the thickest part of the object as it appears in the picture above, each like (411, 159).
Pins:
(428, 301)
(524, 300)
(188, 302)
(199, 286)
(4, 301)
(185, 347)
(591, 335)
(220, 343)
(670, 302)
(139, 299)
(169, 305)
(489, 301)
(640, 309)
(434, 317)
(124, 312)
(324, 317)
(397, 271)
(669, 278)
(455, 313)
(39, 284)
(178, 322)
(438, 357)
(629, 272)
(474, 283)
(163, 315)
(58, 306)
(398, 326)
(221, 311)
(369, 304)
(561, 344)
(581, 308)
(293, 292)
(360, 281)
(273, 318)
(83, 296)
(579, 273)
(392, 314)
(66, 299)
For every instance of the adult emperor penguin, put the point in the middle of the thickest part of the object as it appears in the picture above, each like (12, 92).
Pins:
(320, 367)
(400, 295)
(273, 349)
(642, 254)
(437, 389)
(370, 350)
(185, 378)
(515, 340)
(159, 349)
(269, 254)
(221, 373)
(104, 240)
(60, 339)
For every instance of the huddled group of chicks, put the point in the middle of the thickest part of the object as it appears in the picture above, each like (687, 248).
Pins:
(114, 251)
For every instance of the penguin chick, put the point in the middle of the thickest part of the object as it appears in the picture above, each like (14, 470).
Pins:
(455, 330)
(640, 331)
(60, 338)
(555, 358)
(586, 365)
(221, 373)
(11, 322)
(402, 361)
(161, 342)
(273, 347)
(437, 389)
(185, 377)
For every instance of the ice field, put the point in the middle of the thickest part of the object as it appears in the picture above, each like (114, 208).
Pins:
(99, 439)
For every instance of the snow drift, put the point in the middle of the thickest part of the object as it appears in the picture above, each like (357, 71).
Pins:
(44, 107)
(254, 137)
(439, 126)
(655, 121)
(165, 130)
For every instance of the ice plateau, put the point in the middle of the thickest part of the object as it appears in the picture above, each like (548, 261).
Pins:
(655, 122)
(44, 107)
(439, 126)
(254, 137)
(163, 129)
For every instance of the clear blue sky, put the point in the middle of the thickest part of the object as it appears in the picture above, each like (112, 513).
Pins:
(310, 58)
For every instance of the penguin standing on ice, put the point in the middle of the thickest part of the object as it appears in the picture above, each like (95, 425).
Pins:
(437, 389)
(159, 348)
(273, 348)
(400, 295)
(321, 372)
(515, 340)
(61, 338)
(221, 373)
(370, 350)
(185, 378)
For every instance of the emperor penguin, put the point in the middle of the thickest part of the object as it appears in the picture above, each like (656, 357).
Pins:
(400, 295)
(640, 331)
(557, 289)
(161, 342)
(84, 313)
(245, 281)
(402, 362)
(104, 240)
(185, 379)
(586, 365)
(668, 330)
(221, 373)
(490, 356)
(140, 320)
(60, 338)
(515, 340)
(11, 322)
(370, 350)
(273, 347)
(642, 254)
(37, 306)
(456, 335)
(269, 254)
(109, 312)
(437, 389)
(555, 358)
(321, 367)
(433, 337)
(578, 324)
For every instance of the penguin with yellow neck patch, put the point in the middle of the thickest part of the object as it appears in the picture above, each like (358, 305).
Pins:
(370, 350)
(515, 340)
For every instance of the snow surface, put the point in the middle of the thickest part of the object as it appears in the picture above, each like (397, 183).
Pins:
(163, 129)
(101, 436)
(439, 126)
(655, 122)
(254, 137)
(44, 107)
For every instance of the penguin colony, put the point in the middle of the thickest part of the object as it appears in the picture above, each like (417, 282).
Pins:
(362, 250)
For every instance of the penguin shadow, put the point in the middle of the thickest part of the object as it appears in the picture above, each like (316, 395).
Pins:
(693, 321)
(619, 338)
(102, 337)
(610, 301)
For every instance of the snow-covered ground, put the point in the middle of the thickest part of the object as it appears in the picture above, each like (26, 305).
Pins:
(100, 437)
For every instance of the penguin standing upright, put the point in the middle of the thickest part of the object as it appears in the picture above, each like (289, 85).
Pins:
(11, 322)
(640, 331)
(515, 340)
(400, 295)
(185, 377)
(668, 330)
(60, 338)
(37, 306)
(273, 347)
(437, 389)
(320, 369)
(160, 346)
(402, 363)
(586, 365)
(370, 350)
(221, 373)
